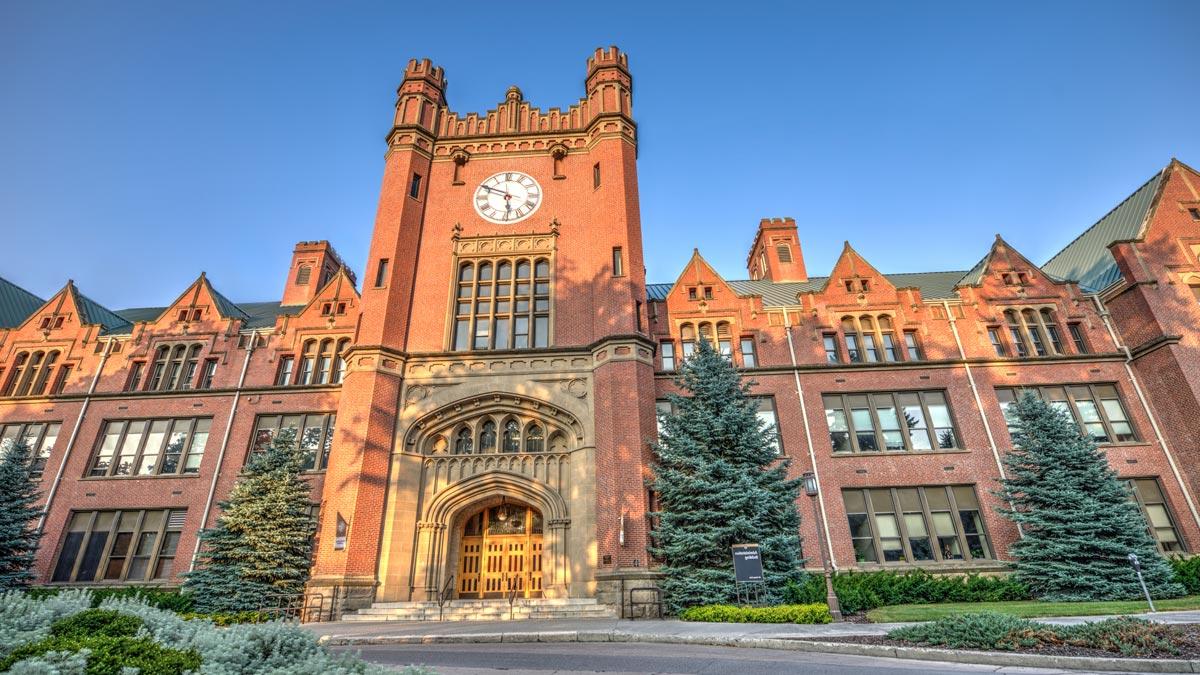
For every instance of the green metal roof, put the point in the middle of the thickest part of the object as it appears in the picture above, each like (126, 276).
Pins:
(16, 304)
(1087, 260)
(92, 312)
(254, 314)
(933, 285)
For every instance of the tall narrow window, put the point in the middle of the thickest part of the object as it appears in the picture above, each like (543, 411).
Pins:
(60, 382)
(832, 354)
(512, 437)
(535, 440)
(749, 358)
(286, 365)
(997, 342)
(687, 334)
(414, 188)
(1148, 495)
(1035, 332)
(1195, 288)
(850, 334)
(596, 175)
(724, 340)
(618, 262)
(487, 437)
(339, 368)
(381, 273)
(912, 346)
(135, 375)
(462, 442)
(1018, 337)
(1076, 332)
(190, 367)
(43, 375)
(206, 375)
(666, 352)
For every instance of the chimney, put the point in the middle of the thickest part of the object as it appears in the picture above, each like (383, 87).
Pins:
(314, 263)
(775, 254)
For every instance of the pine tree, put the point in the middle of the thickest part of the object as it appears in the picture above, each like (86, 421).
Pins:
(1078, 519)
(720, 482)
(19, 511)
(257, 554)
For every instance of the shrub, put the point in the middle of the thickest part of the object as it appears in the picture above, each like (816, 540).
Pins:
(861, 591)
(811, 613)
(228, 618)
(25, 618)
(1187, 572)
(109, 655)
(983, 630)
(95, 623)
(161, 598)
(989, 630)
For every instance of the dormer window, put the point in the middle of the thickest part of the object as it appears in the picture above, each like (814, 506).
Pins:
(864, 285)
(45, 323)
(692, 295)
(58, 322)
(708, 294)
(341, 308)
(327, 309)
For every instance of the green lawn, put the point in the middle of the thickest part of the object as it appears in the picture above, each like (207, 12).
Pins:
(1026, 608)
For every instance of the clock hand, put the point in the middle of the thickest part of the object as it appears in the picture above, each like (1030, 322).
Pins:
(499, 192)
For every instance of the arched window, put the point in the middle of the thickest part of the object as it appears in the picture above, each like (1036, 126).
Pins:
(497, 309)
(308, 362)
(1036, 328)
(462, 442)
(190, 366)
(889, 338)
(325, 362)
(870, 348)
(162, 357)
(339, 368)
(174, 368)
(512, 437)
(535, 441)
(850, 334)
(18, 368)
(687, 334)
(487, 437)
(724, 340)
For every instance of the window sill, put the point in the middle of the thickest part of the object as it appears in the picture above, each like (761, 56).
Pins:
(160, 476)
(900, 453)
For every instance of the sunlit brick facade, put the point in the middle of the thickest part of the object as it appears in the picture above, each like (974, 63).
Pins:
(477, 409)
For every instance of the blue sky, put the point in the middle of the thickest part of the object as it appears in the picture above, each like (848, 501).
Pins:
(141, 143)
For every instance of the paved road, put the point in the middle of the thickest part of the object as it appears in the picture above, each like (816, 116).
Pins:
(615, 658)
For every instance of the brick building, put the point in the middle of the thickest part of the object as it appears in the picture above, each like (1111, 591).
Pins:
(477, 414)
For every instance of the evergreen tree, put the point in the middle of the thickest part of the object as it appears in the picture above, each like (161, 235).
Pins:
(19, 511)
(720, 482)
(261, 543)
(1078, 520)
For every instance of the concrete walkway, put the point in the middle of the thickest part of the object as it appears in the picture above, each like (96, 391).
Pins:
(377, 632)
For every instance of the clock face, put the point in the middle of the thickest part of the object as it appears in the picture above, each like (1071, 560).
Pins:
(508, 197)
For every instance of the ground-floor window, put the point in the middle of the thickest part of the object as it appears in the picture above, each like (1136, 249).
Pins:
(119, 546)
(922, 524)
(1149, 497)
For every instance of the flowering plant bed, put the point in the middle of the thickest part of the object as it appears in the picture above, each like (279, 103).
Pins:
(1121, 637)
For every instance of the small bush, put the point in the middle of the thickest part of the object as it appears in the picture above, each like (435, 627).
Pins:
(24, 618)
(990, 630)
(984, 630)
(861, 591)
(1187, 572)
(228, 618)
(169, 599)
(96, 623)
(811, 613)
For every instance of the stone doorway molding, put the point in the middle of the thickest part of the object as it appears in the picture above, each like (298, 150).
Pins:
(440, 527)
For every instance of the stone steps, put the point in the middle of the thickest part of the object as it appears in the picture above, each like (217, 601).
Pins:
(484, 610)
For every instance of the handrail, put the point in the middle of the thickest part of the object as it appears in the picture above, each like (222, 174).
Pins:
(512, 594)
(444, 595)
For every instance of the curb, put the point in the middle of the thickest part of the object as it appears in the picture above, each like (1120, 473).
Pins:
(792, 644)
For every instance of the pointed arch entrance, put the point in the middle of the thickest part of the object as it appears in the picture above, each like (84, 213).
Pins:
(500, 552)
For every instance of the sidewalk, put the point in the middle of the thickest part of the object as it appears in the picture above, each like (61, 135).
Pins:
(649, 630)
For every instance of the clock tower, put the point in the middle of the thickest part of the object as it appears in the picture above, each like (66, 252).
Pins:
(502, 364)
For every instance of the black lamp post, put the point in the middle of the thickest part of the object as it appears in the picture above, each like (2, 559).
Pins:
(831, 599)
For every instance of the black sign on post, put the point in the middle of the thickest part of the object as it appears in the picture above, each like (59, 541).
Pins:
(747, 565)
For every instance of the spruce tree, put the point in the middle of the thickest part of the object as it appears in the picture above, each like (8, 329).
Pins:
(1078, 519)
(258, 553)
(720, 482)
(19, 511)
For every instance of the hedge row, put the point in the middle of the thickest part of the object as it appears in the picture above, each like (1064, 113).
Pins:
(988, 630)
(811, 613)
(861, 591)
(169, 599)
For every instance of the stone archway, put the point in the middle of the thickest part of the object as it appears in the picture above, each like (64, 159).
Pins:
(442, 520)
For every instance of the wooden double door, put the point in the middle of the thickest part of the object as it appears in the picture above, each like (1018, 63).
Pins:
(501, 553)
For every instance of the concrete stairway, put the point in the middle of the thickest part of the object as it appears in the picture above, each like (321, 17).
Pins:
(485, 610)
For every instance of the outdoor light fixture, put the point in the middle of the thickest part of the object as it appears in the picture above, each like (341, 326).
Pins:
(810, 483)
(502, 511)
